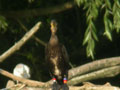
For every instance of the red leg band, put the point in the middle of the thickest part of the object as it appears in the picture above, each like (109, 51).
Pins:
(65, 80)
(54, 79)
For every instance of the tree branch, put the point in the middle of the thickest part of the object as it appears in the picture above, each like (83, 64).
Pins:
(92, 66)
(35, 85)
(18, 45)
(107, 72)
(37, 12)
(36, 38)
(86, 86)
(95, 65)
(23, 80)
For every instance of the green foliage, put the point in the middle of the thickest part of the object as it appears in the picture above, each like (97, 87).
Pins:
(107, 4)
(108, 25)
(3, 24)
(107, 22)
(111, 12)
(89, 38)
(90, 34)
(116, 15)
(80, 2)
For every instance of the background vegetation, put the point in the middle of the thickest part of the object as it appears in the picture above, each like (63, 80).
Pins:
(89, 30)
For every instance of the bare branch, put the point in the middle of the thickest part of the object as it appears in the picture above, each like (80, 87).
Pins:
(95, 65)
(22, 41)
(86, 86)
(107, 72)
(36, 38)
(92, 66)
(23, 80)
(37, 12)
(27, 82)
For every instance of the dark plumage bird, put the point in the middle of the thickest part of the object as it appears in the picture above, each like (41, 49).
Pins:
(57, 60)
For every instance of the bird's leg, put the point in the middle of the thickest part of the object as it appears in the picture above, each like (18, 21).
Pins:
(65, 79)
(54, 79)
(64, 86)
(55, 85)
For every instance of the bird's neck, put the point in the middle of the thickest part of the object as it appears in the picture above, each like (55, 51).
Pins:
(53, 40)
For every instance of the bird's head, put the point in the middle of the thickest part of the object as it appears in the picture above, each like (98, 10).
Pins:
(53, 24)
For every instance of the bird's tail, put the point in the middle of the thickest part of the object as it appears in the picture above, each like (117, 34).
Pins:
(64, 87)
(57, 86)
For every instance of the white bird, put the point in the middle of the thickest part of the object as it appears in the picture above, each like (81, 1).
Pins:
(22, 70)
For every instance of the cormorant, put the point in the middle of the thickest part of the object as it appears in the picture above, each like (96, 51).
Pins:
(57, 60)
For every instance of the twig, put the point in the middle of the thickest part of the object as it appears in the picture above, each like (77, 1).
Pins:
(22, 41)
(20, 88)
(36, 38)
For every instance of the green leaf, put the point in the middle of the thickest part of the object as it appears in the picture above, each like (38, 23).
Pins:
(80, 2)
(91, 53)
(3, 24)
(98, 2)
(89, 39)
(87, 36)
(108, 4)
(90, 48)
(94, 11)
(94, 35)
(116, 15)
(108, 25)
(108, 34)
